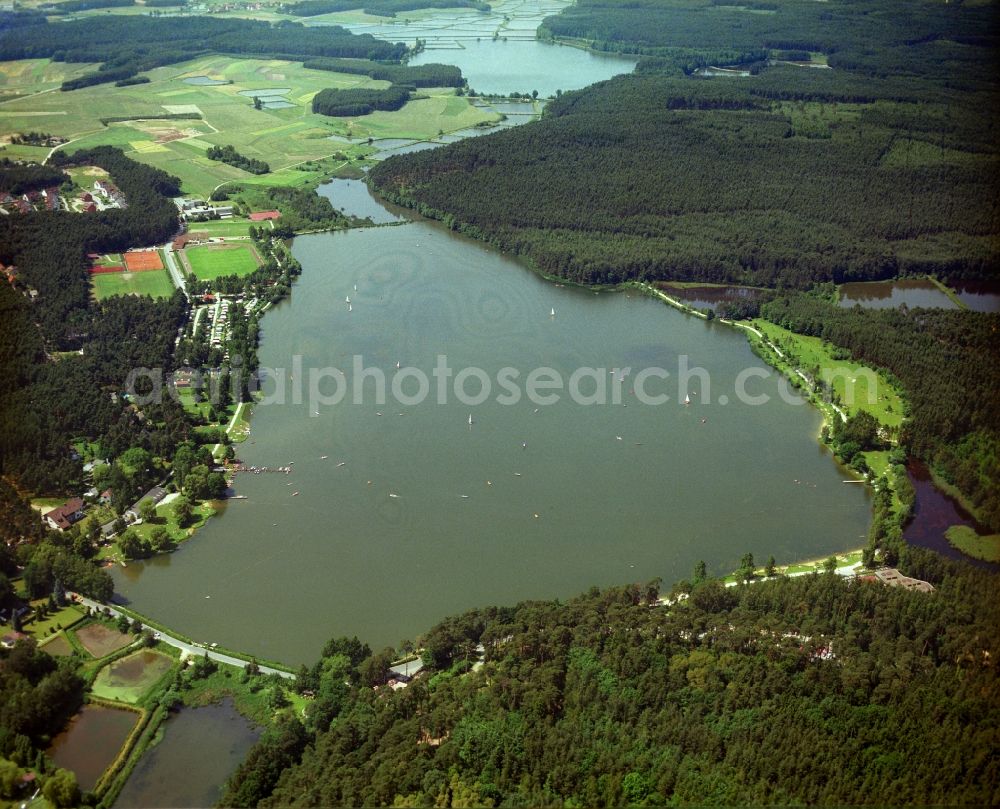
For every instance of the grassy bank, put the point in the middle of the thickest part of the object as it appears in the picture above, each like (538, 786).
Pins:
(978, 546)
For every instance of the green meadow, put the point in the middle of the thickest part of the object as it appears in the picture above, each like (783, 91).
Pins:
(210, 261)
(155, 283)
(292, 140)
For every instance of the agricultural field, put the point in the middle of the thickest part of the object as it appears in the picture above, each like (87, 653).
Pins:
(101, 640)
(291, 139)
(155, 283)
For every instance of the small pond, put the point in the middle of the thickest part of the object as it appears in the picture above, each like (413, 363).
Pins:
(891, 294)
(92, 741)
(203, 81)
(979, 296)
(198, 750)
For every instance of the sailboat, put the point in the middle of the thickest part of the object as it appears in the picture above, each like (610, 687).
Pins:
(470, 419)
(347, 299)
(397, 365)
(687, 399)
(350, 308)
(552, 313)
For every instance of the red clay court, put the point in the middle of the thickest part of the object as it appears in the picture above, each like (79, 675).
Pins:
(139, 260)
(103, 268)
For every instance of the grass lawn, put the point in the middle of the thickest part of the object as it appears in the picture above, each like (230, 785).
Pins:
(155, 283)
(228, 681)
(64, 618)
(976, 545)
(226, 228)
(130, 678)
(858, 386)
(211, 261)
(166, 519)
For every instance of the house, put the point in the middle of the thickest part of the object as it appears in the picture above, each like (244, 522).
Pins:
(64, 516)
(404, 672)
(893, 578)
(105, 497)
(156, 494)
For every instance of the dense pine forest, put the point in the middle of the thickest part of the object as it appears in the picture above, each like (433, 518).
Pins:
(381, 8)
(811, 689)
(358, 101)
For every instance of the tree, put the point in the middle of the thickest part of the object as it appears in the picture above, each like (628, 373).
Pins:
(183, 512)
(59, 594)
(159, 539)
(747, 566)
(61, 790)
(132, 546)
(830, 565)
(700, 571)
(770, 569)
(257, 103)
(122, 623)
(147, 511)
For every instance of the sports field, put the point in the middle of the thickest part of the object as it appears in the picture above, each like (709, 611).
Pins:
(295, 142)
(155, 283)
(210, 261)
(142, 260)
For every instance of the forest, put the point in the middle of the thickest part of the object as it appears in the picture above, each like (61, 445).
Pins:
(429, 75)
(381, 8)
(359, 101)
(141, 42)
(811, 690)
(17, 179)
(44, 404)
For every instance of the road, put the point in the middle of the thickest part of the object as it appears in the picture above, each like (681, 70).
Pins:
(175, 273)
(184, 646)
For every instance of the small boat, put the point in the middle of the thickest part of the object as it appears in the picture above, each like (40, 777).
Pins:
(323, 457)
(295, 494)
(618, 437)
(350, 308)
(397, 365)
(393, 495)
(552, 313)
(355, 287)
(687, 400)
(470, 419)
(347, 299)
(464, 496)
(517, 474)
(342, 463)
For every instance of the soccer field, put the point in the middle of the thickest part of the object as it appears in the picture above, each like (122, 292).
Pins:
(211, 261)
(155, 283)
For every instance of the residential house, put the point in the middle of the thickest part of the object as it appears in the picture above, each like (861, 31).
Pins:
(64, 516)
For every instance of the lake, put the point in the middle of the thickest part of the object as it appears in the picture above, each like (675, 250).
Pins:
(198, 750)
(513, 62)
(414, 513)
(979, 296)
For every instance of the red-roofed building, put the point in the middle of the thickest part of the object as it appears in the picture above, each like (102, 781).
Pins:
(261, 216)
(64, 516)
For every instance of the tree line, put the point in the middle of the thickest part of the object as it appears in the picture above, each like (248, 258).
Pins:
(429, 75)
(228, 154)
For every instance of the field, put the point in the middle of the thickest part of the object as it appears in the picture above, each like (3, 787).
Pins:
(128, 679)
(211, 261)
(155, 283)
(140, 260)
(101, 641)
(58, 647)
(858, 386)
(979, 546)
(226, 228)
(292, 140)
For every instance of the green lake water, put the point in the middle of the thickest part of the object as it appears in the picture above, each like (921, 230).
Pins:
(622, 493)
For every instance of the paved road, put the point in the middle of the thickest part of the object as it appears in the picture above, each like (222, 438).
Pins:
(184, 646)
